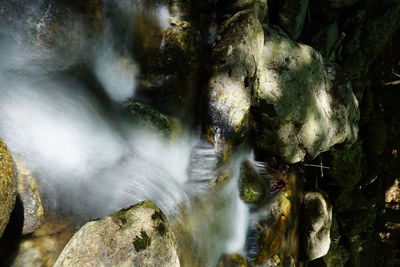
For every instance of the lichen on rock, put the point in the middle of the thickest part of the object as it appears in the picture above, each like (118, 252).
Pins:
(137, 236)
(8, 186)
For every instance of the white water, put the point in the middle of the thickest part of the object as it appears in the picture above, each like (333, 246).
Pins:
(90, 163)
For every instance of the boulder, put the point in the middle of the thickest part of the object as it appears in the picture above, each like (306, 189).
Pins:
(29, 194)
(302, 104)
(316, 221)
(238, 47)
(137, 236)
(8, 186)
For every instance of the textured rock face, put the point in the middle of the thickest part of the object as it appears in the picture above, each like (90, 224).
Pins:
(316, 222)
(8, 186)
(28, 191)
(302, 105)
(139, 236)
(229, 88)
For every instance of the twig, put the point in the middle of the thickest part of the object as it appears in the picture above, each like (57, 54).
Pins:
(318, 166)
(392, 83)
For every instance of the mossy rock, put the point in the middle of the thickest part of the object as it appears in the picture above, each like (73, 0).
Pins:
(136, 236)
(251, 188)
(8, 186)
(151, 119)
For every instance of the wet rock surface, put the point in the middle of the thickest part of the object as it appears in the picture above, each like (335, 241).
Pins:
(233, 72)
(29, 194)
(8, 186)
(138, 236)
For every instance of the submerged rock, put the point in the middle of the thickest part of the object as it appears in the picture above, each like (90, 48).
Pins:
(42, 247)
(316, 221)
(29, 193)
(232, 260)
(138, 236)
(251, 187)
(150, 118)
(302, 105)
(272, 229)
(8, 186)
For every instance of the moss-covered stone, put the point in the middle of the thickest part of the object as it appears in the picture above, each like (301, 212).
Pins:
(251, 187)
(152, 119)
(8, 186)
(130, 237)
(142, 241)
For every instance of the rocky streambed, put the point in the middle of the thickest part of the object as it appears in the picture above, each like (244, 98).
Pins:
(199, 133)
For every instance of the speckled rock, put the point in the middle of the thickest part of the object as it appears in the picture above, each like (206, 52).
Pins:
(138, 236)
(29, 193)
(8, 186)
(302, 104)
(235, 55)
(316, 220)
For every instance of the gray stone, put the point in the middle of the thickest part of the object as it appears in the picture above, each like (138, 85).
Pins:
(138, 236)
(303, 105)
(235, 55)
(316, 220)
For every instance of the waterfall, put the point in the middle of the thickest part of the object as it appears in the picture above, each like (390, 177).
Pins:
(90, 162)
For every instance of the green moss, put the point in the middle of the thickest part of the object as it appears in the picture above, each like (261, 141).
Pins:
(161, 229)
(141, 241)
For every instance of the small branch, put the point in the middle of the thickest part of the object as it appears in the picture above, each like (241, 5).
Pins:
(317, 166)
(392, 83)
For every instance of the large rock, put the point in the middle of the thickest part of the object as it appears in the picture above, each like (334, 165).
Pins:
(303, 105)
(8, 186)
(235, 55)
(138, 236)
(29, 193)
(316, 221)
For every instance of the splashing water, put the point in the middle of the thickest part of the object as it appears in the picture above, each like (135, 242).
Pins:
(90, 162)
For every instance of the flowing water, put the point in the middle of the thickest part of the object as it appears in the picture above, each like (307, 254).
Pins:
(71, 134)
